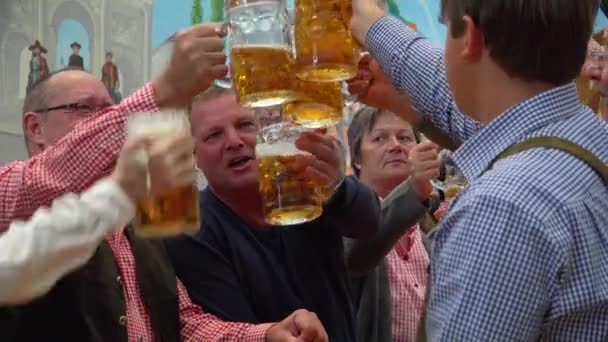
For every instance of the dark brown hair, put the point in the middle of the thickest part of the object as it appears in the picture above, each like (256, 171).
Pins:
(364, 122)
(534, 40)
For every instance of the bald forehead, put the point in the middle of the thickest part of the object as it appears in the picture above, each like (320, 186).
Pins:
(74, 86)
(70, 79)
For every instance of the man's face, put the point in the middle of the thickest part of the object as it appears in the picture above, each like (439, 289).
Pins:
(225, 135)
(76, 50)
(66, 88)
(385, 150)
(108, 59)
(36, 51)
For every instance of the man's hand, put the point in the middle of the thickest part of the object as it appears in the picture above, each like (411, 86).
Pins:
(365, 14)
(592, 68)
(301, 326)
(198, 59)
(328, 166)
(424, 163)
(170, 165)
(372, 87)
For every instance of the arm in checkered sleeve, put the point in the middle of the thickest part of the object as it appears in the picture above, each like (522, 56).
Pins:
(196, 325)
(82, 157)
(495, 274)
(417, 69)
(199, 326)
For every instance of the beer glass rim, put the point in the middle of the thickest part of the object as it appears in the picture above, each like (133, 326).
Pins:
(237, 3)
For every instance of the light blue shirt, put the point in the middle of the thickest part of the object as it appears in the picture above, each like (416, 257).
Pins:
(522, 253)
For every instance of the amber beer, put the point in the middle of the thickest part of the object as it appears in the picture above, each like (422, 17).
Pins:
(261, 53)
(289, 195)
(320, 104)
(326, 50)
(176, 211)
(262, 75)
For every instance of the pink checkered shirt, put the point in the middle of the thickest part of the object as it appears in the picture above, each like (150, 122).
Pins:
(195, 325)
(407, 265)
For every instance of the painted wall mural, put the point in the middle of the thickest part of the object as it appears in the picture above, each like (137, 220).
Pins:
(40, 36)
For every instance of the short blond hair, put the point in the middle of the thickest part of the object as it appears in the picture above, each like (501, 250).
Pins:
(210, 93)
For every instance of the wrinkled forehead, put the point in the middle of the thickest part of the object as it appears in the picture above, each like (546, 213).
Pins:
(219, 111)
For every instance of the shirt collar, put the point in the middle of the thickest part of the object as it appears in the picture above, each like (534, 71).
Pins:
(518, 122)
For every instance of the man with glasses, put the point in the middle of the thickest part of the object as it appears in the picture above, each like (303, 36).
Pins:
(74, 135)
(128, 290)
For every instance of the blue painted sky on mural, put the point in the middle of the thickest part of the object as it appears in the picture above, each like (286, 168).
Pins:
(71, 31)
(173, 15)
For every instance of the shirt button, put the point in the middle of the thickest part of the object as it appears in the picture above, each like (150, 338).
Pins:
(122, 320)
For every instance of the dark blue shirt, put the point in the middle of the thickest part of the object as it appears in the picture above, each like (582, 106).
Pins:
(240, 273)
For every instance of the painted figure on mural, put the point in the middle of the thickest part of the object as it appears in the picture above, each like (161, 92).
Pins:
(109, 77)
(76, 60)
(39, 68)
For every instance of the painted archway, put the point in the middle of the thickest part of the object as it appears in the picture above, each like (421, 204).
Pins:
(76, 10)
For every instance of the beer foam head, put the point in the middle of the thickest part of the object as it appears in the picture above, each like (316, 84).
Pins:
(163, 122)
(277, 149)
(283, 47)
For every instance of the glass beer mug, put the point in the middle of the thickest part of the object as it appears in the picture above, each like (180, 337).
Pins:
(325, 48)
(289, 194)
(176, 211)
(319, 104)
(260, 52)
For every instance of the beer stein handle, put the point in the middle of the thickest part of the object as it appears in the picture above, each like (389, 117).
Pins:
(226, 82)
(330, 189)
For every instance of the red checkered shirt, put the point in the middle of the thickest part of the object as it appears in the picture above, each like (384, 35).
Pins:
(82, 157)
(195, 325)
(407, 265)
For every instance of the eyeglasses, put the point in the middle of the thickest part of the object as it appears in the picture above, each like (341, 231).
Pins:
(74, 108)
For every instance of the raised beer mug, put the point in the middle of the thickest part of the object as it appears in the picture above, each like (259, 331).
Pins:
(319, 104)
(261, 55)
(289, 194)
(325, 48)
(177, 211)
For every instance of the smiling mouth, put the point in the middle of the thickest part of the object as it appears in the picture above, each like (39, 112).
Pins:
(239, 162)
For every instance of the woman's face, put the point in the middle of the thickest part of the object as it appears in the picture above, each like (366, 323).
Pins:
(385, 150)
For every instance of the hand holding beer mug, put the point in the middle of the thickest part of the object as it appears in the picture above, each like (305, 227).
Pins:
(197, 60)
(325, 48)
(297, 172)
(176, 210)
(132, 175)
(260, 52)
(329, 164)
